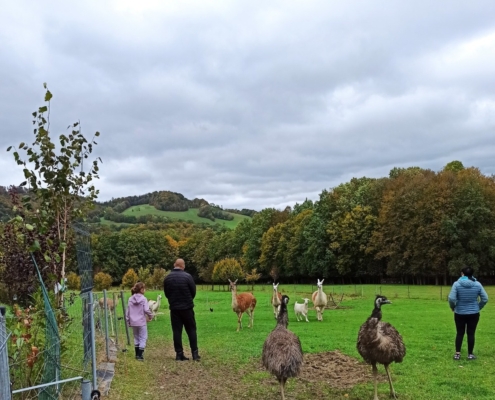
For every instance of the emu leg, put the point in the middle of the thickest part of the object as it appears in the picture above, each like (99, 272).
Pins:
(375, 375)
(282, 385)
(392, 391)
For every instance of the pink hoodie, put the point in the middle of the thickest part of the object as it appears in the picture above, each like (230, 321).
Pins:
(137, 308)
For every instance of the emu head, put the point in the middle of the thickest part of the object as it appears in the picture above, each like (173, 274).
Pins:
(232, 285)
(275, 286)
(285, 299)
(320, 283)
(381, 300)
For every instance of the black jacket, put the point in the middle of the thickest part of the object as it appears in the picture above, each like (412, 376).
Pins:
(180, 289)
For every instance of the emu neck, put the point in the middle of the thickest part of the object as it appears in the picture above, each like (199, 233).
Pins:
(283, 318)
(376, 313)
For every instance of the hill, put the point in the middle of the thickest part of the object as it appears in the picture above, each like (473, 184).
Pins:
(189, 215)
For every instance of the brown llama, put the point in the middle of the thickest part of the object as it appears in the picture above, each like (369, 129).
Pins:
(276, 300)
(242, 303)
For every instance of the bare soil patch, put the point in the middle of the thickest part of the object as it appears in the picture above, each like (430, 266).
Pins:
(336, 369)
(203, 380)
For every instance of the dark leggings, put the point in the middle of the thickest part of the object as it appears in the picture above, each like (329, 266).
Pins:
(465, 324)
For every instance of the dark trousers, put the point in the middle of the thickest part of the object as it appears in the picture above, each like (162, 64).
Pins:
(184, 318)
(465, 324)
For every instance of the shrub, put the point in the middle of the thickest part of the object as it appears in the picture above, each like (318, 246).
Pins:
(102, 281)
(156, 279)
(73, 281)
(129, 279)
(144, 275)
(228, 268)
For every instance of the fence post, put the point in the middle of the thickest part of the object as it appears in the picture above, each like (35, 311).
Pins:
(5, 392)
(105, 306)
(115, 319)
(93, 340)
(85, 389)
(125, 323)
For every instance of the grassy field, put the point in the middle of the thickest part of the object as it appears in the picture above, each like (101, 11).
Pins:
(189, 215)
(231, 368)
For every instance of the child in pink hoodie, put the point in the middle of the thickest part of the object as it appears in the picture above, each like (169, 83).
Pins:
(136, 317)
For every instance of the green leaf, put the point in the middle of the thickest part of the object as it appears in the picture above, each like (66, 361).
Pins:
(29, 227)
(62, 246)
(8, 148)
(21, 145)
(47, 258)
(35, 246)
(57, 258)
(97, 134)
(48, 95)
(43, 109)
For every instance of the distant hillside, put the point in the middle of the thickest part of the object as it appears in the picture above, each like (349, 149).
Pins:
(189, 215)
(155, 207)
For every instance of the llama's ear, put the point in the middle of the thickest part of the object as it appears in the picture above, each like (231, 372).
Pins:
(322, 281)
(230, 281)
(236, 281)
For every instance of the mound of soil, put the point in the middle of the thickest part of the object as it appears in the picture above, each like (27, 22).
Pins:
(336, 369)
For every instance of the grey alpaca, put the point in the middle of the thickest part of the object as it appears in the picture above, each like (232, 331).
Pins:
(379, 342)
(282, 354)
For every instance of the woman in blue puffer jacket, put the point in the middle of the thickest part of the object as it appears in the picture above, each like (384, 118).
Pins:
(463, 301)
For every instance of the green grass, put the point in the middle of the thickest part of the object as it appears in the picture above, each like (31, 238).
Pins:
(424, 321)
(189, 215)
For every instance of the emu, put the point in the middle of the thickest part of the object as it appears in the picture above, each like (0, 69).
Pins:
(379, 342)
(319, 299)
(242, 303)
(282, 353)
(276, 300)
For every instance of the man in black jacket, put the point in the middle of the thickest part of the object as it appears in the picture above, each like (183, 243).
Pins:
(180, 290)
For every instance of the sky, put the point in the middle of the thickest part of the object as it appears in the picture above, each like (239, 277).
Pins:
(252, 104)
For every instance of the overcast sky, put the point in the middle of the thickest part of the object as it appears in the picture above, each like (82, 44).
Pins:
(253, 103)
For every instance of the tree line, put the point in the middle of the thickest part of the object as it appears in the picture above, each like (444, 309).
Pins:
(415, 226)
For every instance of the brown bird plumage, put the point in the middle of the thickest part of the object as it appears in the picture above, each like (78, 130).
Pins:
(380, 343)
(282, 352)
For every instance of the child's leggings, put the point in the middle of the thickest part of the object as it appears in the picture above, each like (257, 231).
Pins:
(140, 336)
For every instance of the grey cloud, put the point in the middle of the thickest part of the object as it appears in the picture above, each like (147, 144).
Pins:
(250, 104)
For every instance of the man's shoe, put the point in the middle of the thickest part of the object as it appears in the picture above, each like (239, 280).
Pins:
(179, 356)
(196, 356)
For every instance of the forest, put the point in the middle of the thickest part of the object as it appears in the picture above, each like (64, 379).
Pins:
(414, 226)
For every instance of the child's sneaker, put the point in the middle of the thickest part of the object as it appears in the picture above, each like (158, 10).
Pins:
(471, 357)
(457, 356)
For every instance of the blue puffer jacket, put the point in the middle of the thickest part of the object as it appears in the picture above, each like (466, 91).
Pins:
(463, 297)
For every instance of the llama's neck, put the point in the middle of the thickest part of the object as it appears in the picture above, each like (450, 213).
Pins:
(319, 296)
(275, 298)
(234, 298)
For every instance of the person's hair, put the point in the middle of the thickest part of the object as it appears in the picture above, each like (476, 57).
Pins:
(137, 288)
(468, 271)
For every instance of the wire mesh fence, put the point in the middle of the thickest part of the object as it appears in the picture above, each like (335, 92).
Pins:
(49, 352)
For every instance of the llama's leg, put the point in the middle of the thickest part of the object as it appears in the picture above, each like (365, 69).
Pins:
(392, 391)
(375, 375)
(251, 318)
(239, 321)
